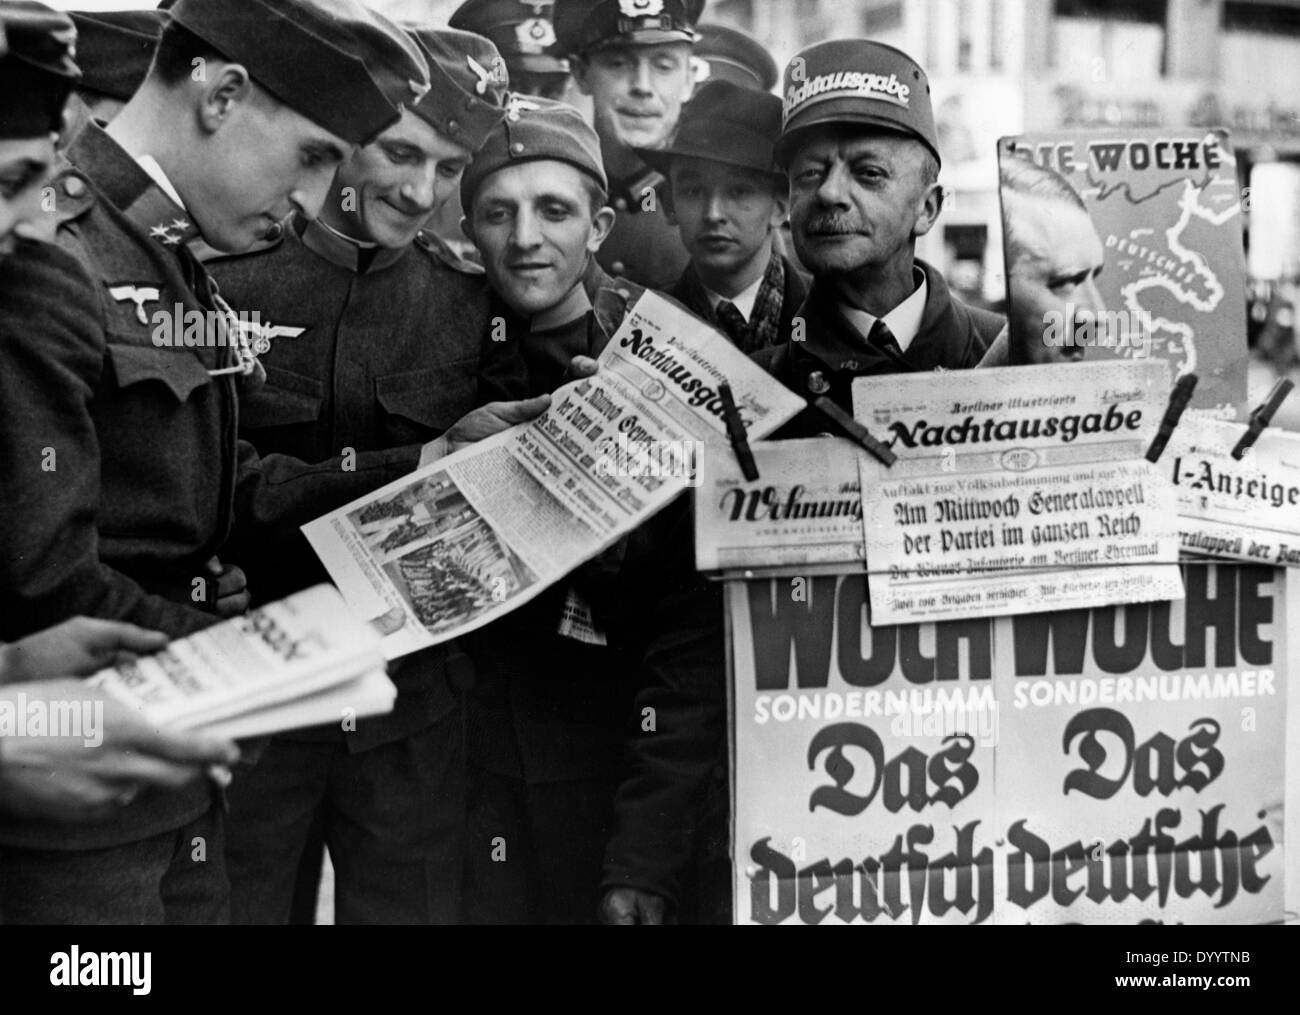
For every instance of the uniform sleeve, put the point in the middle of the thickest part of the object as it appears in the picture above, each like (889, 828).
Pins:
(660, 808)
(278, 492)
(51, 358)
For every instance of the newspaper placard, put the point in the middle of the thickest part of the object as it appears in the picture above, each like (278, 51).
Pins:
(862, 760)
(1016, 489)
(454, 545)
(1141, 766)
(1247, 509)
(1162, 217)
(1117, 764)
(804, 511)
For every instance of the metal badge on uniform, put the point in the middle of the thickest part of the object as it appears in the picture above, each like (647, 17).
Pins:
(137, 294)
(260, 336)
(173, 232)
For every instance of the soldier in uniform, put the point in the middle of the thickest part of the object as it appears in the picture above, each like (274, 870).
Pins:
(633, 57)
(728, 54)
(523, 31)
(728, 200)
(122, 464)
(47, 777)
(550, 697)
(378, 337)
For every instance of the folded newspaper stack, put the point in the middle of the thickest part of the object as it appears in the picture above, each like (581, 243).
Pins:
(303, 661)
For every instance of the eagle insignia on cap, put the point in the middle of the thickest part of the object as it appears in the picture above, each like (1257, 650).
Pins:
(497, 75)
(641, 8)
(535, 35)
(519, 104)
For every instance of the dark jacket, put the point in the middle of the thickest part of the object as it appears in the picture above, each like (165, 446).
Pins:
(545, 707)
(643, 246)
(953, 336)
(689, 292)
(671, 813)
(377, 348)
(122, 468)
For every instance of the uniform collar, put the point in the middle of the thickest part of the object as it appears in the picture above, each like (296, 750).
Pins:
(626, 193)
(131, 186)
(904, 321)
(333, 246)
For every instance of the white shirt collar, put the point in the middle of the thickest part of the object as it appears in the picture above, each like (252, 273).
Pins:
(150, 165)
(904, 321)
(744, 301)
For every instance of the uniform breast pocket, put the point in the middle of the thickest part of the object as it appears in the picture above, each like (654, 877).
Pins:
(419, 405)
(286, 399)
(168, 375)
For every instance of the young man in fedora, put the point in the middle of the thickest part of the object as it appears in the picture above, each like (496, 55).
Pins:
(728, 201)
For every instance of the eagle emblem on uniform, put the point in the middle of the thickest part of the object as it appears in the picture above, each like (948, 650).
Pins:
(137, 294)
(641, 8)
(259, 336)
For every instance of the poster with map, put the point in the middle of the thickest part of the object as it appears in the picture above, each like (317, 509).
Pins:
(1160, 273)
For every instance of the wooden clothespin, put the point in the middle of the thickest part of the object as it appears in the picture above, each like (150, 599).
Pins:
(1178, 399)
(736, 433)
(1262, 415)
(854, 430)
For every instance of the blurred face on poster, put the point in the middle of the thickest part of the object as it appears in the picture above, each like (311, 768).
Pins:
(1054, 257)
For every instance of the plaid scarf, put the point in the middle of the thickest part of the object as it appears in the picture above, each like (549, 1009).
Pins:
(764, 326)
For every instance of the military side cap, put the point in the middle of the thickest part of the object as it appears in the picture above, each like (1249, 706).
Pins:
(467, 84)
(856, 81)
(731, 55)
(584, 25)
(523, 31)
(37, 70)
(115, 48)
(336, 62)
(535, 129)
(724, 123)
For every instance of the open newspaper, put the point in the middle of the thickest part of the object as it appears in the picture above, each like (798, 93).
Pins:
(302, 661)
(467, 539)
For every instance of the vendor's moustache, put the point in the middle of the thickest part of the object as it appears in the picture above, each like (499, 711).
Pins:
(831, 225)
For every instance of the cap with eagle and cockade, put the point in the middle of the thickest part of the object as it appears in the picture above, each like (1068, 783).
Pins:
(336, 62)
(856, 81)
(535, 129)
(523, 30)
(586, 25)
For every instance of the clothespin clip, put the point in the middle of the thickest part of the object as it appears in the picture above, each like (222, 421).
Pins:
(1261, 416)
(854, 430)
(736, 433)
(1178, 399)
